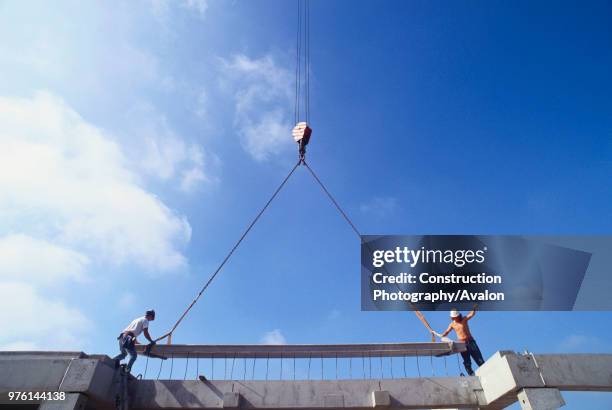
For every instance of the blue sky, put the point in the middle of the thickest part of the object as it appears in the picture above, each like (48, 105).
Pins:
(139, 138)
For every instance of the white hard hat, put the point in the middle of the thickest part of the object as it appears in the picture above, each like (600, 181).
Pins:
(454, 313)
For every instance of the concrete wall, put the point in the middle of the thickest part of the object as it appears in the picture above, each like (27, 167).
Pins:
(80, 376)
(507, 373)
(93, 382)
(414, 393)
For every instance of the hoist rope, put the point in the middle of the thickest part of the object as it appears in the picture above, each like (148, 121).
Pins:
(298, 49)
(171, 365)
(146, 367)
(186, 367)
(302, 56)
(303, 19)
(333, 200)
(307, 59)
(303, 30)
(348, 220)
(363, 366)
(161, 365)
(230, 253)
(433, 371)
(250, 226)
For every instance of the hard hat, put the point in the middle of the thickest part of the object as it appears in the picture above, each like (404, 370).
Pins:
(150, 312)
(454, 313)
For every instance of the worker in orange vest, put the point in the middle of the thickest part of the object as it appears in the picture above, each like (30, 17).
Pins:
(459, 324)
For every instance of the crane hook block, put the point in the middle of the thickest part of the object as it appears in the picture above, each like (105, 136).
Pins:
(301, 133)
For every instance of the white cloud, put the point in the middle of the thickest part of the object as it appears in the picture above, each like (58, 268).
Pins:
(49, 322)
(71, 197)
(273, 337)
(118, 74)
(160, 153)
(379, 206)
(68, 180)
(165, 157)
(25, 258)
(267, 135)
(263, 93)
(194, 175)
(52, 47)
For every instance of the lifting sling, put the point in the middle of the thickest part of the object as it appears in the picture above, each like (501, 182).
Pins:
(301, 134)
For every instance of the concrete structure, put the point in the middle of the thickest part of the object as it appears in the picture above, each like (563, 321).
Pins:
(307, 351)
(92, 382)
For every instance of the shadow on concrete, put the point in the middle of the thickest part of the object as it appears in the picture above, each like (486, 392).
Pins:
(182, 395)
(213, 388)
(175, 389)
(247, 387)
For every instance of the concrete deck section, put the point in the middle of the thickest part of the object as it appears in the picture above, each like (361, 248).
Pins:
(306, 351)
(83, 378)
(92, 382)
(417, 393)
(506, 373)
(536, 399)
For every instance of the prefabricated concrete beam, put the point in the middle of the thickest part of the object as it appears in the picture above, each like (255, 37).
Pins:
(334, 401)
(417, 393)
(305, 351)
(540, 399)
(33, 371)
(381, 399)
(231, 400)
(575, 372)
(506, 373)
(73, 401)
(502, 378)
(93, 377)
(68, 372)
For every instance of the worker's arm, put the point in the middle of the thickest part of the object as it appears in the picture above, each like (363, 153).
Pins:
(447, 331)
(472, 313)
(147, 335)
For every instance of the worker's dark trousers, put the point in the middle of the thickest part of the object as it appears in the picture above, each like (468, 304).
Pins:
(126, 345)
(474, 352)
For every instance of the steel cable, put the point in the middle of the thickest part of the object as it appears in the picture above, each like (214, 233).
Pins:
(231, 252)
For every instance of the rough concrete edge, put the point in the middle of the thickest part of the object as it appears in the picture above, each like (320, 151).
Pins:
(496, 377)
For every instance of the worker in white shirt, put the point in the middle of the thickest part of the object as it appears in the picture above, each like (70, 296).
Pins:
(127, 338)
